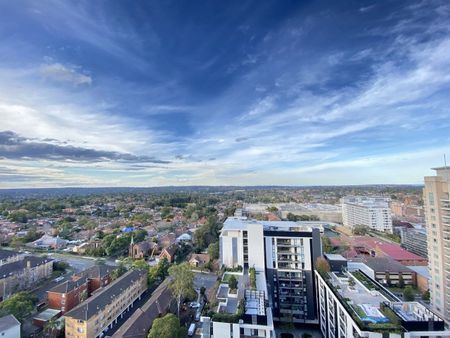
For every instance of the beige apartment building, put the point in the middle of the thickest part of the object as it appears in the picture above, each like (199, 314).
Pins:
(99, 313)
(437, 217)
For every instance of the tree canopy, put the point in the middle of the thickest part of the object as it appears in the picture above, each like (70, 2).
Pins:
(167, 327)
(19, 305)
(182, 282)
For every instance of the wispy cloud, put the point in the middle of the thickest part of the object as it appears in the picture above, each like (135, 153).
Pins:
(61, 73)
(275, 102)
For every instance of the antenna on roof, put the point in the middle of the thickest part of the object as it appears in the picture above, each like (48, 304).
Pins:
(445, 161)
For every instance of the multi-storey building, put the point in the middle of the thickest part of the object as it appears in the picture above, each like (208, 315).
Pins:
(8, 256)
(98, 276)
(23, 274)
(67, 295)
(415, 240)
(437, 218)
(351, 304)
(373, 212)
(99, 313)
(283, 252)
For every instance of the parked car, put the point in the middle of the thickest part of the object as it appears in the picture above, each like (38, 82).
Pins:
(191, 330)
(194, 305)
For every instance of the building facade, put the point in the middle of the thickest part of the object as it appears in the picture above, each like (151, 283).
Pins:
(285, 253)
(373, 212)
(98, 314)
(67, 295)
(415, 240)
(349, 307)
(23, 274)
(437, 218)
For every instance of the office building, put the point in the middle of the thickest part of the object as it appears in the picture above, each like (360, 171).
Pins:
(285, 254)
(351, 304)
(372, 212)
(437, 218)
(100, 312)
(415, 241)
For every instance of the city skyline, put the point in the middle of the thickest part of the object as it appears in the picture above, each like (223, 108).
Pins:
(181, 93)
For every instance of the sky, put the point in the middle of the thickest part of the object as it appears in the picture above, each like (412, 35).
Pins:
(157, 93)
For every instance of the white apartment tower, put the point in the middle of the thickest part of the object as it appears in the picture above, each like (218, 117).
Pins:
(373, 212)
(437, 218)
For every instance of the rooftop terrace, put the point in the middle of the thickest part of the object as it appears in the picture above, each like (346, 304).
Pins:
(375, 309)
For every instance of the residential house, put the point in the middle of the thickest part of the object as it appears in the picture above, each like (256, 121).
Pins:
(199, 260)
(169, 253)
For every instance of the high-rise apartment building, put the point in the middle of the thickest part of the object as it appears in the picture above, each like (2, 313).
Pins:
(415, 241)
(437, 218)
(373, 212)
(285, 254)
(352, 304)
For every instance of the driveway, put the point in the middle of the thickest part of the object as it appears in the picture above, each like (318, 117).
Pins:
(206, 280)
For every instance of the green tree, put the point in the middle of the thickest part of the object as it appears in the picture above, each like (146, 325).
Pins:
(213, 250)
(119, 271)
(252, 273)
(140, 264)
(426, 296)
(322, 266)
(182, 282)
(158, 272)
(272, 209)
(167, 327)
(408, 294)
(232, 282)
(51, 328)
(401, 282)
(19, 305)
(360, 230)
(326, 245)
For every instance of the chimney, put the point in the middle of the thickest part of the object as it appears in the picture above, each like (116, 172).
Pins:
(28, 264)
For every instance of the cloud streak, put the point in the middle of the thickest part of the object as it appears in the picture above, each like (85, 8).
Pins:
(13, 146)
(61, 73)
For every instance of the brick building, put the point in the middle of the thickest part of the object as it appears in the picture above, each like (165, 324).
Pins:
(98, 314)
(67, 295)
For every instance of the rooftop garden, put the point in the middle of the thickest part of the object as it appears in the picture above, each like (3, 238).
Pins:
(372, 286)
(252, 273)
(358, 314)
(230, 317)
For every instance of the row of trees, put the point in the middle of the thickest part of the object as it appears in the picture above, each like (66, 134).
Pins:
(296, 218)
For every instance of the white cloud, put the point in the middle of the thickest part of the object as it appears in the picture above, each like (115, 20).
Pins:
(59, 72)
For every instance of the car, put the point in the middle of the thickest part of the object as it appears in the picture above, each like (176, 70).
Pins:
(191, 330)
(194, 305)
(59, 279)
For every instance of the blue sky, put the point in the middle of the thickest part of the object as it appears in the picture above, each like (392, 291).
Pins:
(151, 93)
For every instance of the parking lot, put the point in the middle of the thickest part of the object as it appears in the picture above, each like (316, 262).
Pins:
(206, 280)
